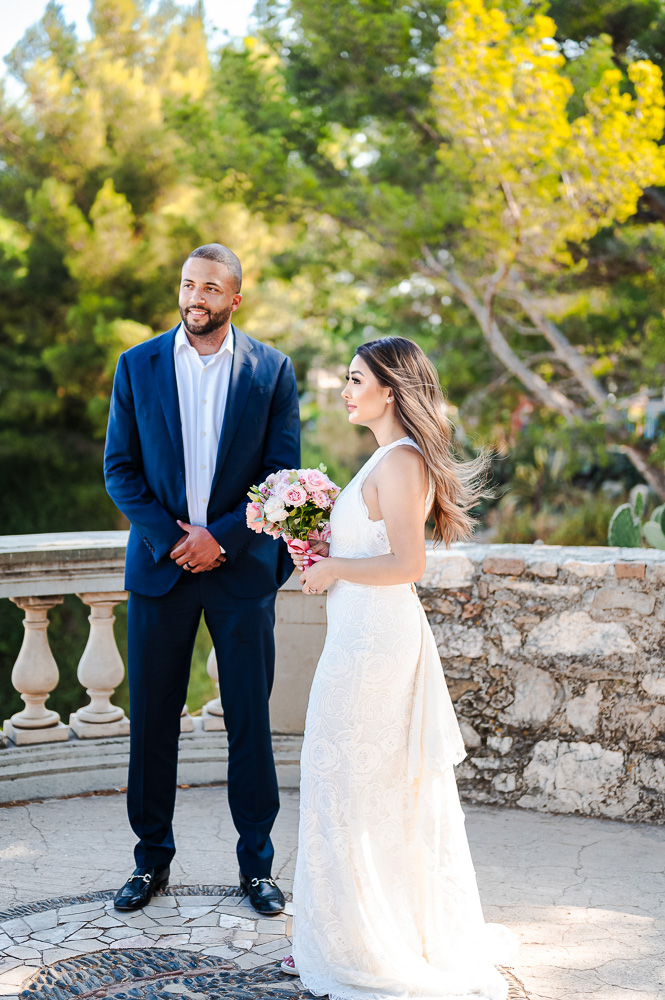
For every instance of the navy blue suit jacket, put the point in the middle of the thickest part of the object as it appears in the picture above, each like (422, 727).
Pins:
(144, 464)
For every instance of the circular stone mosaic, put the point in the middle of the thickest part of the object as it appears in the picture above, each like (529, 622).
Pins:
(189, 943)
(159, 974)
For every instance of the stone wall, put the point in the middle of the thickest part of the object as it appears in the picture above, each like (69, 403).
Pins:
(554, 660)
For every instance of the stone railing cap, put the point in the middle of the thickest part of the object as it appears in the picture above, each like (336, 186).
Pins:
(62, 545)
(531, 553)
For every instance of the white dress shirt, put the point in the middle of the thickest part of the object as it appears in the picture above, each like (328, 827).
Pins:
(203, 388)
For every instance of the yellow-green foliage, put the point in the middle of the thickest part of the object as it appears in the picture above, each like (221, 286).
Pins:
(539, 180)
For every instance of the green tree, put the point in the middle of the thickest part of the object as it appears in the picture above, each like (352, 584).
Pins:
(99, 207)
(391, 152)
(538, 186)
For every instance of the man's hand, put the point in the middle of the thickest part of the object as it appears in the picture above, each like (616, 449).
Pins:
(197, 551)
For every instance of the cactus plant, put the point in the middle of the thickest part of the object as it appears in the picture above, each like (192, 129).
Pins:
(653, 529)
(626, 528)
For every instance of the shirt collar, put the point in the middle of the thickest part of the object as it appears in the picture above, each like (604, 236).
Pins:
(182, 342)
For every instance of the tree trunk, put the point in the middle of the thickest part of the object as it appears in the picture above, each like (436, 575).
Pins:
(654, 478)
(500, 347)
(563, 349)
(552, 398)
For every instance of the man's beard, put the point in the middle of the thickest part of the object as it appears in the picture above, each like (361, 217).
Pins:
(214, 322)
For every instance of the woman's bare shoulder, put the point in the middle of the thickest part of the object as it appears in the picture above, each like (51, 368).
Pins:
(403, 464)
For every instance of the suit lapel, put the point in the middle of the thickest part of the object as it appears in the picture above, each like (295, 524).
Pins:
(167, 387)
(240, 384)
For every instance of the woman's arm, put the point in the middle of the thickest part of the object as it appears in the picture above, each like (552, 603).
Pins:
(401, 485)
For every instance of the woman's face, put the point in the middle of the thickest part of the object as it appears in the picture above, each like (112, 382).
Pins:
(365, 398)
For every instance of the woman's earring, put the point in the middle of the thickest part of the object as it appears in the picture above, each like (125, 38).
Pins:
(389, 399)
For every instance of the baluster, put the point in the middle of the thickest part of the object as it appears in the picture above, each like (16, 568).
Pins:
(212, 712)
(100, 671)
(34, 676)
(186, 721)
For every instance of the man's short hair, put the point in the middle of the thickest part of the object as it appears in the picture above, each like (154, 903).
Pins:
(215, 251)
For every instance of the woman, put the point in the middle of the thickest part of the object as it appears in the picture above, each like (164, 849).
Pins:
(385, 896)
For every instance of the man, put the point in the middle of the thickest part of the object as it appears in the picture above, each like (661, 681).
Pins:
(198, 415)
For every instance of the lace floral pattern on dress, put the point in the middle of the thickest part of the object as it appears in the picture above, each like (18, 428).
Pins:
(385, 896)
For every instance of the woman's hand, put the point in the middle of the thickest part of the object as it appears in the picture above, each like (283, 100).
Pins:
(318, 577)
(318, 548)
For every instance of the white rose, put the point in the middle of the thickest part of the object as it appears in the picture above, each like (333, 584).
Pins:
(274, 509)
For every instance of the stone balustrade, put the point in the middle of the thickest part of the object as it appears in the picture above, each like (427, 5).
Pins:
(553, 657)
(36, 571)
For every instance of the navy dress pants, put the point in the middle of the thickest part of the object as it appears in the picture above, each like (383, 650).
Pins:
(160, 635)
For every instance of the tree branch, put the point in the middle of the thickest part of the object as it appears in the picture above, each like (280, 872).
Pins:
(563, 349)
(654, 477)
(500, 347)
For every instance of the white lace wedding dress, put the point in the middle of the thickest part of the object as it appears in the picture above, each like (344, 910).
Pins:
(385, 897)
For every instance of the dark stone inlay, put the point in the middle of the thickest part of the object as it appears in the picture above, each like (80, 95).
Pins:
(21, 909)
(147, 974)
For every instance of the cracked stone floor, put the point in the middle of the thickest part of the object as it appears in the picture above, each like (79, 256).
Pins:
(585, 897)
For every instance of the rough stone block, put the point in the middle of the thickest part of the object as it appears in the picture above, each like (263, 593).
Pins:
(582, 712)
(503, 566)
(459, 640)
(610, 598)
(511, 638)
(504, 782)
(486, 763)
(573, 777)
(587, 569)
(469, 735)
(654, 684)
(651, 774)
(447, 570)
(547, 568)
(503, 744)
(630, 570)
(459, 687)
(575, 633)
(638, 722)
(528, 588)
(656, 573)
(537, 697)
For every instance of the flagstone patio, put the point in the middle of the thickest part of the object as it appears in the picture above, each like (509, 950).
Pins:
(585, 897)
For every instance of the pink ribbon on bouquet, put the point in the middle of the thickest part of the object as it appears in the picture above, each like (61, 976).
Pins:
(295, 545)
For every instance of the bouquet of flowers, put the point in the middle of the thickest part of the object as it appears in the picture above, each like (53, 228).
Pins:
(294, 504)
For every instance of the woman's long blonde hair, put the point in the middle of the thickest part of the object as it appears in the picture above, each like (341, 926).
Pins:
(405, 369)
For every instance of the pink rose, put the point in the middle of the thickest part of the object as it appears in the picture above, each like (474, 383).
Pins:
(295, 495)
(321, 499)
(315, 479)
(255, 518)
(273, 532)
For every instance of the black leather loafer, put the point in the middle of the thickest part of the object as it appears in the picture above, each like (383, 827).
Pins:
(141, 887)
(264, 894)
